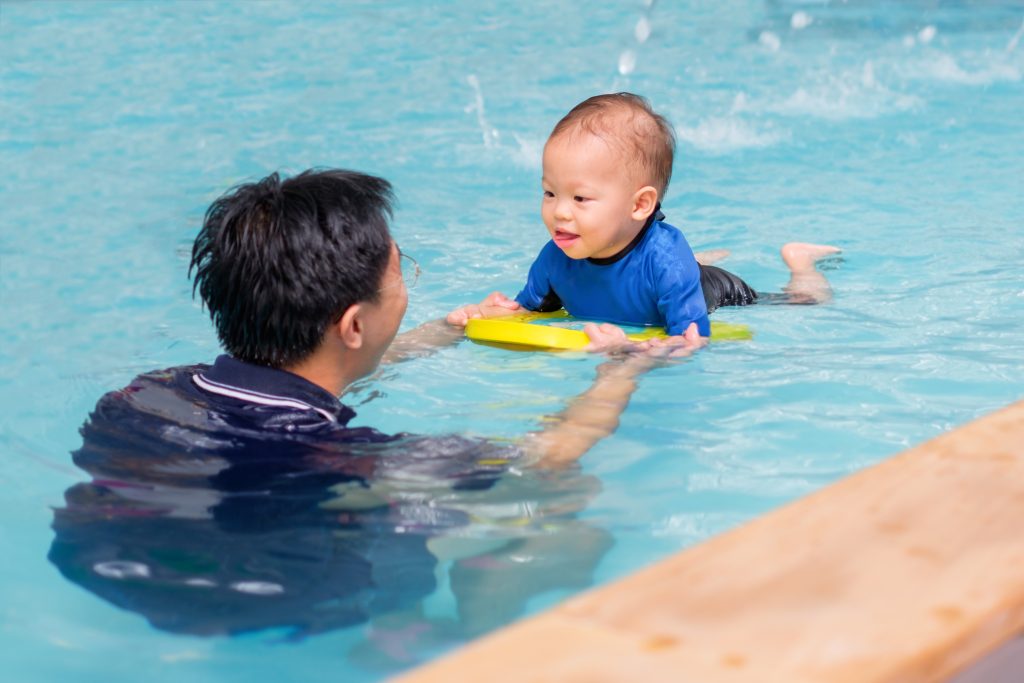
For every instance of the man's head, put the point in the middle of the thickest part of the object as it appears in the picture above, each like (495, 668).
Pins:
(279, 262)
(607, 164)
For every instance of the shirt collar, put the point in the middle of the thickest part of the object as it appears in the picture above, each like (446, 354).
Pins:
(656, 215)
(267, 386)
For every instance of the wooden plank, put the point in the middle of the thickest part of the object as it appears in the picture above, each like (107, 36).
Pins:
(904, 572)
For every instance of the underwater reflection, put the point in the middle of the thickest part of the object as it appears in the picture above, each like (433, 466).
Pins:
(210, 536)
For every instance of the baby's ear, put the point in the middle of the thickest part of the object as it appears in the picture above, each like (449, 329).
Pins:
(644, 201)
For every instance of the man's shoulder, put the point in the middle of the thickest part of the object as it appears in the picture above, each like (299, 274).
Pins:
(179, 401)
(173, 380)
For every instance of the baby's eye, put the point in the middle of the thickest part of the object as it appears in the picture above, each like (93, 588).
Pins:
(578, 198)
(548, 193)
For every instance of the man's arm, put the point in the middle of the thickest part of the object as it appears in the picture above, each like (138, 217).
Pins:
(422, 341)
(594, 414)
(437, 334)
(495, 305)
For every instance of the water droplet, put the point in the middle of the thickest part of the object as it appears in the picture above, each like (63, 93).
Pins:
(867, 75)
(739, 103)
(627, 62)
(642, 30)
(800, 20)
(770, 41)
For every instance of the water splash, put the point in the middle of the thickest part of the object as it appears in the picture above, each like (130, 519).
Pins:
(945, 68)
(867, 75)
(527, 153)
(855, 93)
(729, 134)
(1015, 41)
(769, 41)
(490, 134)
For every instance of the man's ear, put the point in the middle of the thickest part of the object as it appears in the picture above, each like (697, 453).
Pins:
(644, 201)
(350, 327)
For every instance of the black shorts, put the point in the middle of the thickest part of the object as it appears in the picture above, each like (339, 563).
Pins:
(722, 288)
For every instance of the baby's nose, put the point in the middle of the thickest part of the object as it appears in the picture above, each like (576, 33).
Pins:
(563, 210)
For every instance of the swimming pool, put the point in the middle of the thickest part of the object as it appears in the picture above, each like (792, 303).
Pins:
(893, 132)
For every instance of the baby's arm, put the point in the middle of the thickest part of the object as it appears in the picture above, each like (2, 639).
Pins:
(680, 297)
(495, 305)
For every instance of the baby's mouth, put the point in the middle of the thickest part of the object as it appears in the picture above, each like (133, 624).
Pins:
(564, 238)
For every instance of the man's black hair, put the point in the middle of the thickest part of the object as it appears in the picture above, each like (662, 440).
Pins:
(278, 261)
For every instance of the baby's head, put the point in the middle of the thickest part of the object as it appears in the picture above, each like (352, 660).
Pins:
(642, 138)
(607, 164)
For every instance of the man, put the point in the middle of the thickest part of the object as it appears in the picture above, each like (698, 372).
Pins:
(235, 496)
(304, 285)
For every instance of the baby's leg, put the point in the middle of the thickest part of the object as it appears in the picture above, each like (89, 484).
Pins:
(806, 283)
(706, 258)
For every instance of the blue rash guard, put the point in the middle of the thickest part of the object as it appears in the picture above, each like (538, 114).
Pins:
(655, 280)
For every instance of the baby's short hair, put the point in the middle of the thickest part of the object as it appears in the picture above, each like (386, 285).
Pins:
(627, 120)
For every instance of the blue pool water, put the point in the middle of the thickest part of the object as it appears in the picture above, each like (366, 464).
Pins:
(893, 132)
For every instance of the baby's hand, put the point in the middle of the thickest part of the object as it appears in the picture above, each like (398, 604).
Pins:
(494, 306)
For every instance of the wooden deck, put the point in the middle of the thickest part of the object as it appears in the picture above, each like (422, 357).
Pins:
(904, 572)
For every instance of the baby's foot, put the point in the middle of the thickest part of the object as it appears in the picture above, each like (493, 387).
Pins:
(706, 258)
(801, 256)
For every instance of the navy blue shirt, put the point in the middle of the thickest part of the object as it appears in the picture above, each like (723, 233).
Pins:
(232, 498)
(250, 396)
(655, 280)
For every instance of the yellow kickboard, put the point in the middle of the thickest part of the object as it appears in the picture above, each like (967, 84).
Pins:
(517, 330)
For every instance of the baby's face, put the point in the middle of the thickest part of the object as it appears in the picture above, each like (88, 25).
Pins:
(588, 203)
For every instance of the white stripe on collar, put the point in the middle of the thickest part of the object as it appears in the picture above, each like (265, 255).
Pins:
(255, 396)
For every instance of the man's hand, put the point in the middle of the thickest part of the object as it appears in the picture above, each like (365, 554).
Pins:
(607, 338)
(678, 345)
(494, 306)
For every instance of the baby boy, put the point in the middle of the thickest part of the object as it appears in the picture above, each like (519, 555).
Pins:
(606, 167)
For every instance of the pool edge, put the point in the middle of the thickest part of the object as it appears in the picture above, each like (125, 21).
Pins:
(934, 586)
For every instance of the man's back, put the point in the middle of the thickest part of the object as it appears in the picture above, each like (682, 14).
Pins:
(231, 497)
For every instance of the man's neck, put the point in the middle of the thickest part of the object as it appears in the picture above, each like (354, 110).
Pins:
(319, 369)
